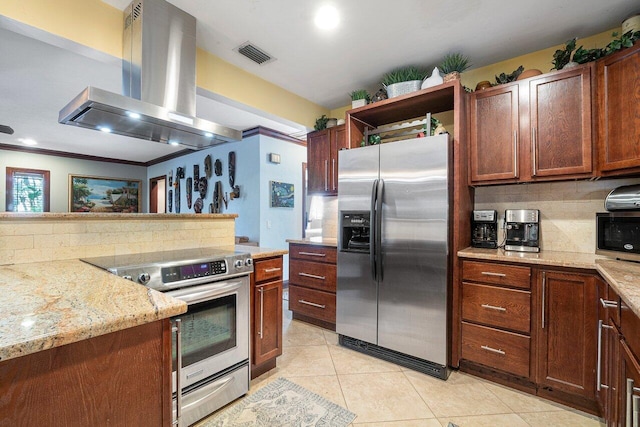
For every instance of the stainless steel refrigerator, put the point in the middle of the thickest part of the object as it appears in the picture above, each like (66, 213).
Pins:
(393, 251)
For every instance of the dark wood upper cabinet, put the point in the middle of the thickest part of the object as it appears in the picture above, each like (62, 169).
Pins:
(619, 112)
(494, 134)
(536, 129)
(322, 159)
(560, 120)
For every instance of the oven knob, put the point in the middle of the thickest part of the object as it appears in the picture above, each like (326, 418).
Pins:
(143, 278)
(127, 277)
(238, 263)
(248, 262)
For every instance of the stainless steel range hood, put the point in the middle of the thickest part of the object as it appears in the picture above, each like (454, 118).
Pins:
(158, 79)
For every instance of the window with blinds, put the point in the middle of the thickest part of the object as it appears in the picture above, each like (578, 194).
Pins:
(27, 190)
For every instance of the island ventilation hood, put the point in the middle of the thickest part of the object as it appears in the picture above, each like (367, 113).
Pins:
(158, 80)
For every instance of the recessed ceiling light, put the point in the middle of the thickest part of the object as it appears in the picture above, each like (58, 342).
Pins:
(133, 115)
(208, 134)
(104, 129)
(174, 143)
(327, 17)
(28, 141)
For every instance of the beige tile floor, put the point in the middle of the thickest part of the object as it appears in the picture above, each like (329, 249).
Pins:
(383, 394)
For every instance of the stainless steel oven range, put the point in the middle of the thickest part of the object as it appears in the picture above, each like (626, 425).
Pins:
(210, 343)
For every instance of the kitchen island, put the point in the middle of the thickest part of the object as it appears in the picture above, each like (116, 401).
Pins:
(80, 346)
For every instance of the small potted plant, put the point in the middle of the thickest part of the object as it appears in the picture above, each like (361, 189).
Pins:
(403, 80)
(452, 65)
(359, 98)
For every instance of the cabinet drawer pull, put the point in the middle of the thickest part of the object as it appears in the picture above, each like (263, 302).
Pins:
(544, 291)
(533, 151)
(493, 350)
(489, 273)
(272, 270)
(312, 254)
(515, 153)
(493, 307)
(608, 303)
(313, 304)
(313, 276)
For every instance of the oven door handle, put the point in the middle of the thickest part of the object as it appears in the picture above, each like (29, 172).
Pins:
(219, 385)
(205, 292)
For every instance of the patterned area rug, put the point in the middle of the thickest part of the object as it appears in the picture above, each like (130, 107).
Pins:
(282, 403)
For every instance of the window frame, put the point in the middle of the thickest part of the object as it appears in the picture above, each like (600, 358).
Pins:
(45, 188)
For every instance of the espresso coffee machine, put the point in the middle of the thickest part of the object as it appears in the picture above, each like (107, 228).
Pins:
(522, 230)
(484, 229)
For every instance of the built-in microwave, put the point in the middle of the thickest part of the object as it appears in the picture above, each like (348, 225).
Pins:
(618, 234)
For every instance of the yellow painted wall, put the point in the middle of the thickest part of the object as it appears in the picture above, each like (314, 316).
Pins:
(89, 22)
(540, 60)
(219, 76)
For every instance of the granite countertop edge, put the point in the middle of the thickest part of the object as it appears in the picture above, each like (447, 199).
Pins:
(258, 252)
(50, 304)
(622, 276)
(319, 241)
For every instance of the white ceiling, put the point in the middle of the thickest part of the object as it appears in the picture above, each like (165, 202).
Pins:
(373, 37)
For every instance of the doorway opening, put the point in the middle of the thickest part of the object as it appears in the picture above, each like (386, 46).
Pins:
(157, 194)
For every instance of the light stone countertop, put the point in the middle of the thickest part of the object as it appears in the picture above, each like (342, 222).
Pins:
(320, 241)
(258, 252)
(50, 304)
(622, 276)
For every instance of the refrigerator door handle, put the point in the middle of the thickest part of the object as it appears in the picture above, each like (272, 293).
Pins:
(372, 233)
(378, 227)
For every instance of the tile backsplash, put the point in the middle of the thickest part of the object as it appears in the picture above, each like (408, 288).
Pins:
(567, 209)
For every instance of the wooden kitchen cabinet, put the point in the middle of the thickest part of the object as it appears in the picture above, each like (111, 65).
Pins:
(121, 378)
(618, 111)
(496, 317)
(322, 159)
(266, 314)
(312, 284)
(493, 139)
(536, 129)
(567, 335)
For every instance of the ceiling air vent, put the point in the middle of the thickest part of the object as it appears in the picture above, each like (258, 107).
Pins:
(254, 53)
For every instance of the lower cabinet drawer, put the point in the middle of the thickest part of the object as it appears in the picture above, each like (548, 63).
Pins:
(268, 269)
(313, 275)
(499, 307)
(310, 302)
(497, 349)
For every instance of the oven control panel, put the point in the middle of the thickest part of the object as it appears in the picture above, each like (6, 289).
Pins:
(192, 271)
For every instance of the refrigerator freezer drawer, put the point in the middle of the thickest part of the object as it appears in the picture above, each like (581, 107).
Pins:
(313, 275)
(500, 307)
(313, 303)
(497, 349)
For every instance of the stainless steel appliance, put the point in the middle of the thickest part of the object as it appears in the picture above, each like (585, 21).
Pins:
(484, 229)
(618, 232)
(522, 230)
(158, 80)
(393, 252)
(211, 343)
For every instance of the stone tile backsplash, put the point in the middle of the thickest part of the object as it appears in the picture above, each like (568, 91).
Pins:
(567, 209)
(35, 240)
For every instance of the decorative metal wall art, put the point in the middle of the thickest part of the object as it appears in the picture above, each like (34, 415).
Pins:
(177, 195)
(170, 200)
(196, 177)
(218, 167)
(232, 168)
(202, 186)
(197, 206)
(207, 166)
(189, 190)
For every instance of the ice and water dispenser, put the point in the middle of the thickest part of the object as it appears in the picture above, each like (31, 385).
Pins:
(354, 229)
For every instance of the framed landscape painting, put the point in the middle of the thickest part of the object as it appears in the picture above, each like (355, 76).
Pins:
(101, 194)
(281, 195)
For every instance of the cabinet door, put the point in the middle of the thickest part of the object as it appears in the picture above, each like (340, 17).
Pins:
(629, 394)
(567, 335)
(318, 147)
(268, 322)
(494, 134)
(618, 110)
(338, 142)
(560, 113)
